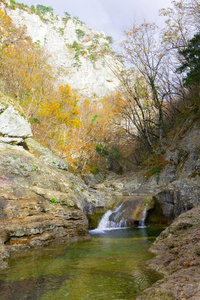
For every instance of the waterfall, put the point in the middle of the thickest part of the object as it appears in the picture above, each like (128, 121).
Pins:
(107, 224)
(142, 221)
(121, 217)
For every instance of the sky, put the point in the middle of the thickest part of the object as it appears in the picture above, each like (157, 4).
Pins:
(110, 16)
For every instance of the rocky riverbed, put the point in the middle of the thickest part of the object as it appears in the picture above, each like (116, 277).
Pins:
(177, 252)
(41, 201)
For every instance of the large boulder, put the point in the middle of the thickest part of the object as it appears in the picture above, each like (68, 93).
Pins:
(14, 128)
(176, 198)
(131, 210)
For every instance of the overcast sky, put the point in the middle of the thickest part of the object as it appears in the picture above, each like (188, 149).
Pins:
(110, 16)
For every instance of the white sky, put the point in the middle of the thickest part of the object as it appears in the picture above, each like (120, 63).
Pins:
(110, 16)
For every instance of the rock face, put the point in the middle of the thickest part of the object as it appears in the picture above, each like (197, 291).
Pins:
(13, 127)
(175, 188)
(131, 210)
(177, 252)
(40, 201)
(81, 56)
(37, 203)
(176, 198)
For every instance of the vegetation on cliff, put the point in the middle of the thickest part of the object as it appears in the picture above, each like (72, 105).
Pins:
(160, 87)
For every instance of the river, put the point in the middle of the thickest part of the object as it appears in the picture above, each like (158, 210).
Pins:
(112, 265)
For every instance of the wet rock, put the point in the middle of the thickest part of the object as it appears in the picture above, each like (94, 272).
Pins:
(131, 210)
(177, 257)
(176, 198)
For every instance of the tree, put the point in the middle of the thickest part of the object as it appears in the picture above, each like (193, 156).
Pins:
(59, 112)
(44, 9)
(143, 104)
(191, 63)
(9, 34)
(26, 75)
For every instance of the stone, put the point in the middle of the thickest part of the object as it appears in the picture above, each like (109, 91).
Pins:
(2, 108)
(11, 140)
(46, 155)
(178, 259)
(176, 198)
(12, 124)
(132, 209)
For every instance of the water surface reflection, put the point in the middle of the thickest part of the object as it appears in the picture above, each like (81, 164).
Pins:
(110, 266)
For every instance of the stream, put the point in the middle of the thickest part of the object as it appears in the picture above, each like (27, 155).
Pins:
(112, 265)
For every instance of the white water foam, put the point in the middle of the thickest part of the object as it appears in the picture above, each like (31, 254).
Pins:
(142, 221)
(106, 224)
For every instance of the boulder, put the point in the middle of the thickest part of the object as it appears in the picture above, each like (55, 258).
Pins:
(13, 125)
(131, 210)
(178, 197)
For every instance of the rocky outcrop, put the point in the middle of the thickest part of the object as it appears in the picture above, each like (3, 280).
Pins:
(177, 252)
(13, 127)
(40, 200)
(131, 210)
(175, 188)
(176, 198)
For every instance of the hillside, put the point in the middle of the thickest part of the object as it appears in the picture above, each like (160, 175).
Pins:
(80, 55)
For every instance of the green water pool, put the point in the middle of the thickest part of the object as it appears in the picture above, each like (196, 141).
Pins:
(112, 265)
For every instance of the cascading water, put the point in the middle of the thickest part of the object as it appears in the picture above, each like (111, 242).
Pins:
(107, 224)
(142, 221)
(122, 217)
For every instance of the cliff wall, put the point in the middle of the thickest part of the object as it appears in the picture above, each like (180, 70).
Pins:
(81, 56)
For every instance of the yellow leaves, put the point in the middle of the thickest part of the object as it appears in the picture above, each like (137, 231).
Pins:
(5, 23)
(61, 105)
(143, 94)
(86, 103)
(47, 108)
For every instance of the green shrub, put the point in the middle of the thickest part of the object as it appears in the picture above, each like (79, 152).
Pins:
(94, 170)
(61, 30)
(109, 39)
(44, 9)
(80, 33)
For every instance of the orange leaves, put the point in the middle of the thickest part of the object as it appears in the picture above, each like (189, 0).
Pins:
(5, 28)
(26, 74)
(62, 105)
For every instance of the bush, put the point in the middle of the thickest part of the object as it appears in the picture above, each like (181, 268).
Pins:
(44, 9)
(80, 33)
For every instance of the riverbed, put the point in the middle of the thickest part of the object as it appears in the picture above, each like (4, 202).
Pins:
(112, 265)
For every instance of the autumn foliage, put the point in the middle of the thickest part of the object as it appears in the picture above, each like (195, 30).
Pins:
(116, 131)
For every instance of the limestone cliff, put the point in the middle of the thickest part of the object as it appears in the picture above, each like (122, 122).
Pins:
(80, 55)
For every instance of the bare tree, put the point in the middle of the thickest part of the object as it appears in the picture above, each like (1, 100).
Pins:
(143, 105)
